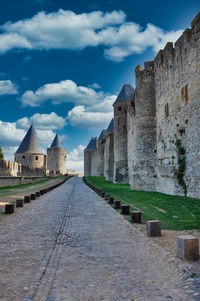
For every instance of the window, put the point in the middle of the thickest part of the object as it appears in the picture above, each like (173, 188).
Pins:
(185, 94)
(36, 158)
(119, 109)
(166, 110)
(23, 157)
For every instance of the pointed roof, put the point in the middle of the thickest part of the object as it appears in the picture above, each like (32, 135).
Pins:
(92, 144)
(110, 128)
(30, 143)
(101, 136)
(56, 142)
(126, 93)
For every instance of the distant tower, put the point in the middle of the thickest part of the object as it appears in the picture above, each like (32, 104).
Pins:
(120, 134)
(28, 153)
(90, 158)
(109, 152)
(56, 157)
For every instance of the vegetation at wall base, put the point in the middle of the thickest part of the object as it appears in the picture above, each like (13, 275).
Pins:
(174, 212)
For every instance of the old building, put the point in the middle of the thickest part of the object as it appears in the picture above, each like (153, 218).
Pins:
(157, 131)
(56, 157)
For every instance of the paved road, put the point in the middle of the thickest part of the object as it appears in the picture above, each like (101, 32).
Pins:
(70, 245)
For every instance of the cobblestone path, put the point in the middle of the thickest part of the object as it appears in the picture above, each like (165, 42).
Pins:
(70, 245)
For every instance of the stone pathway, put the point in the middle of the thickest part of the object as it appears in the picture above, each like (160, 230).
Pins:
(70, 245)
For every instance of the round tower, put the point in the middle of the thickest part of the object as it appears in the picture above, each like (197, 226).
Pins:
(28, 153)
(120, 134)
(56, 157)
(143, 172)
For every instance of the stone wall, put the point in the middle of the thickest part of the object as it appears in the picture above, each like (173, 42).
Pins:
(14, 181)
(56, 159)
(109, 156)
(120, 143)
(87, 163)
(100, 158)
(28, 159)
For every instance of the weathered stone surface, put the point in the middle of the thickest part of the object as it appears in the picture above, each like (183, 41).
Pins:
(153, 228)
(125, 209)
(187, 247)
(19, 203)
(9, 208)
(117, 204)
(136, 217)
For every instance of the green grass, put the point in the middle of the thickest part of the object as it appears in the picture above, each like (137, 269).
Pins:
(174, 212)
(23, 186)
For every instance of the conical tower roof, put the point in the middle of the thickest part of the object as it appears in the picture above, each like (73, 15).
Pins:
(56, 142)
(92, 144)
(101, 136)
(127, 92)
(110, 128)
(29, 143)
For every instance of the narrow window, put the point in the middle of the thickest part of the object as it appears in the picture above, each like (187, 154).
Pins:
(186, 93)
(183, 94)
(23, 157)
(36, 158)
(166, 110)
(119, 109)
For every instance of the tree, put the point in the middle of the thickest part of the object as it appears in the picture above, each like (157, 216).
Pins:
(1, 154)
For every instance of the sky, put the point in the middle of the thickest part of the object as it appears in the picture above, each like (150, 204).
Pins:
(63, 63)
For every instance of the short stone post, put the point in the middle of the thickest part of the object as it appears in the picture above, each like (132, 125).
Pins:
(27, 199)
(111, 200)
(19, 203)
(117, 204)
(9, 209)
(41, 192)
(102, 194)
(37, 194)
(107, 197)
(125, 209)
(136, 217)
(153, 228)
(187, 247)
(33, 196)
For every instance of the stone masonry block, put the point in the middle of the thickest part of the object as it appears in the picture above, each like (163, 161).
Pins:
(187, 247)
(111, 200)
(9, 209)
(117, 204)
(136, 217)
(19, 203)
(153, 228)
(125, 209)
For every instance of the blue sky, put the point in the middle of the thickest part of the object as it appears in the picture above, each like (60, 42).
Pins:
(62, 63)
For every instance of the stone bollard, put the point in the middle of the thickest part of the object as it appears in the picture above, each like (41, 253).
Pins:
(117, 204)
(32, 197)
(37, 194)
(102, 194)
(153, 228)
(27, 199)
(125, 209)
(187, 247)
(111, 200)
(9, 209)
(107, 197)
(136, 217)
(19, 203)
(41, 192)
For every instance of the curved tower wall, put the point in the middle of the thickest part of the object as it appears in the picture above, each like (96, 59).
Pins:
(87, 163)
(56, 158)
(100, 158)
(30, 159)
(120, 143)
(143, 144)
(109, 156)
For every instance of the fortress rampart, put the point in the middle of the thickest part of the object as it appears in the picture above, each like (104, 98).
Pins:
(155, 142)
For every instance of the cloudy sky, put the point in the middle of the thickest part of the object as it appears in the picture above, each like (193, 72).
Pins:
(62, 63)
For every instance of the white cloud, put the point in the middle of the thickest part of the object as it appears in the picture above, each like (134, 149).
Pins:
(9, 152)
(42, 121)
(67, 30)
(94, 86)
(75, 159)
(7, 87)
(64, 91)
(81, 118)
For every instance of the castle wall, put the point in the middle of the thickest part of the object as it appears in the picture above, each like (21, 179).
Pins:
(8, 168)
(56, 158)
(14, 181)
(177, 92)
(142, 131)
(109, 156)
(87, 163)
(120, 143)
(100, 158)
(93, 163)
(29, 159)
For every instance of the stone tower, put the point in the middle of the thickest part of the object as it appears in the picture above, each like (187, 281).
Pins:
(28, 153)
(109, 152)
(56, 157)
(120, 134)
(100, 154)
(90, 158)
(143, 141)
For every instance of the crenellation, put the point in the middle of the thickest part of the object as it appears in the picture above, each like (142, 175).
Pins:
(160, 142)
